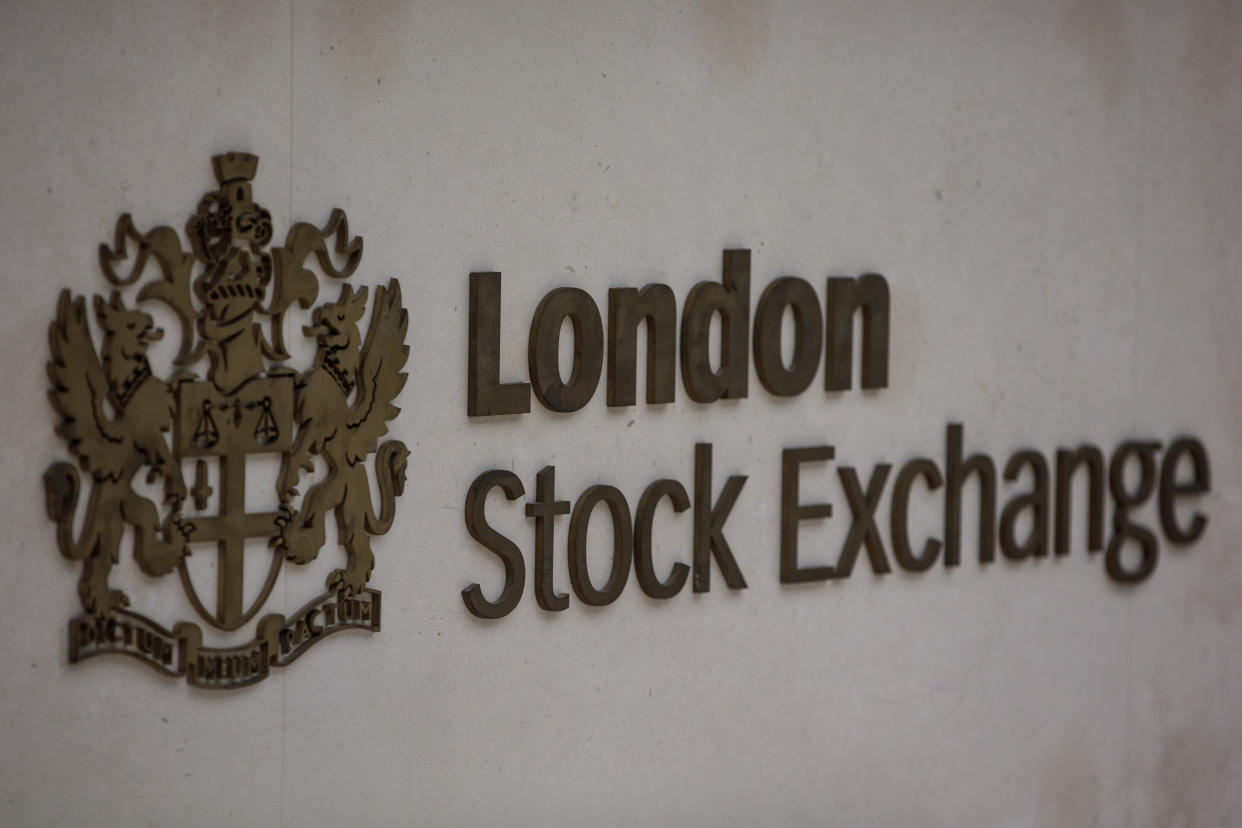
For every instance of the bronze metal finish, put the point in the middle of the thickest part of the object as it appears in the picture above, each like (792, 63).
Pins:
(644, 568)
(655, 306)
(793, 511)
(626, 308)
(788, 291)
(622, 545)
(869, 293)
(485, 395)
(900, 518)
(231, 293)
(730, 297)
(545, 337)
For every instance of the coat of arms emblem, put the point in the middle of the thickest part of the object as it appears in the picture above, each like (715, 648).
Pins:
(230, 395)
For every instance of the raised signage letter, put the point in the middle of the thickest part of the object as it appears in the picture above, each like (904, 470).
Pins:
(485, 395)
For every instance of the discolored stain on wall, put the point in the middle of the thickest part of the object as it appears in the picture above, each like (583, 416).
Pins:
(1099, 30)
(1069, 791)
(363, 38)
(1212, 57)
(732, 34)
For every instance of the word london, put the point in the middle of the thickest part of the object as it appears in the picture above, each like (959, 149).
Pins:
(1130, 553)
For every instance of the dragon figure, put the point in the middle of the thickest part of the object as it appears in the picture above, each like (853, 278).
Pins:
(345, 432)
(112, 448)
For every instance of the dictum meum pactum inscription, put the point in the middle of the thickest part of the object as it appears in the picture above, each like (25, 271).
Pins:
(230, 397)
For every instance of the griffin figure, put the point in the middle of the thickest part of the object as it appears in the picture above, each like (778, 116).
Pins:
(111, 448)
(345, 432)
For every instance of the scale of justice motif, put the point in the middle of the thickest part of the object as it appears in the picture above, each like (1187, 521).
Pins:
(231, 293)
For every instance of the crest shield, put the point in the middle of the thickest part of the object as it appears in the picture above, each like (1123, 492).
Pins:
(225, 429)
(234, 398)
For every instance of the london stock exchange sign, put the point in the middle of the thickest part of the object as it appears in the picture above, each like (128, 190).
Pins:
(232, 294)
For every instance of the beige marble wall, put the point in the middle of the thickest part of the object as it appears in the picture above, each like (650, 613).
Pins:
(1052, 190)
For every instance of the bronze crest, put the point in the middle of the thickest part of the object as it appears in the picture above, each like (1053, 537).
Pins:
(231, 293)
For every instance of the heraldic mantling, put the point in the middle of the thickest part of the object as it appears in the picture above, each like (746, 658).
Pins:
(230, 293)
